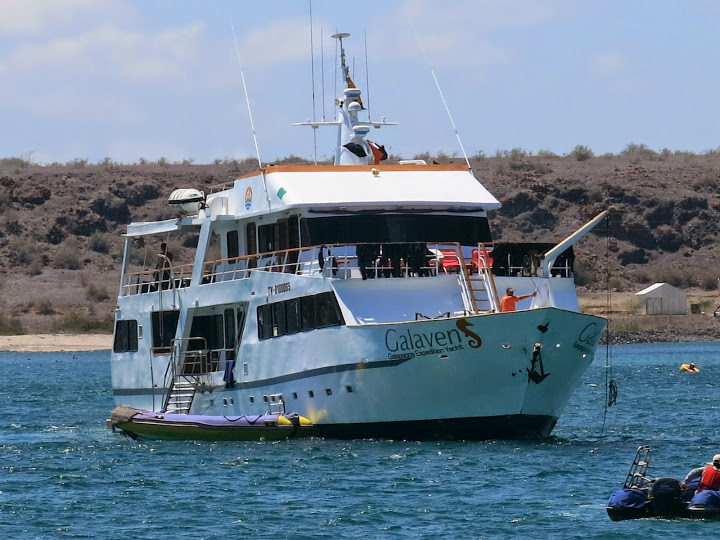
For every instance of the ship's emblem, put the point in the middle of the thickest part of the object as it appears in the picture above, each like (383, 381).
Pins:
(473, 339)
(248, 198)
(535, 375)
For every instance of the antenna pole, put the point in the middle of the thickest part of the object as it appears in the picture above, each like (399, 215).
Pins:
(343, 66)
(447, 109)
(452, 122)
(247, 98)
(367, 78)
(322, 68)
(312, 71)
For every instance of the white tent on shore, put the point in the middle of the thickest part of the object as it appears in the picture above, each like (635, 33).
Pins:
(663, 299)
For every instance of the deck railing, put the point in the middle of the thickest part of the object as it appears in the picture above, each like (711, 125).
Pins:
(347, 261)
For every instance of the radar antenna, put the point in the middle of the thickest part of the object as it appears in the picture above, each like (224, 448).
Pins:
(343, 66)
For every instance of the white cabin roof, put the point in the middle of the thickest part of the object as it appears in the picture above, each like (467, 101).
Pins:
(142, 228)
(661, 289)
(382, 187)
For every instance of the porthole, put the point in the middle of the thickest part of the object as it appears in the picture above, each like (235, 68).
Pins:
(349, 389)
(311, 393)
(328, 392)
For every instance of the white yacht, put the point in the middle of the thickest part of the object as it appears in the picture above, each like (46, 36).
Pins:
(364, 297)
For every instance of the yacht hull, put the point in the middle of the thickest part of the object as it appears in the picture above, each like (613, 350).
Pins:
(505, 376)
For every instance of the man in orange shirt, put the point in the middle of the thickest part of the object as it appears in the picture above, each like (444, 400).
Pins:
(507, 303)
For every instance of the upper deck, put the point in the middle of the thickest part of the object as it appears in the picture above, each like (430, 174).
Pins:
(352, 188)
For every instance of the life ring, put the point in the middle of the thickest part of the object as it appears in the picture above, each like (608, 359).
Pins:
(689, 367)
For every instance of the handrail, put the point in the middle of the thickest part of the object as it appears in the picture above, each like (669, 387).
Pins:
(340, 260)
(487, 270)
(467, 286)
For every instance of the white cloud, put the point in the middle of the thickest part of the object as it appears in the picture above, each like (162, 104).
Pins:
(609, 63)
(27, 17)
(462, 32)
(483, 15)
(108, 51)
(614, 68)
(281, 42)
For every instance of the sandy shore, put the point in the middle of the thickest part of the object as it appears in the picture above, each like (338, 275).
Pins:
(56, 342)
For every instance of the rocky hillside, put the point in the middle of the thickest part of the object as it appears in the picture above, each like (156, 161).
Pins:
(61, 224)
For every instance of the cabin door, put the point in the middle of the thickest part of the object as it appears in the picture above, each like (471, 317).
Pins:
(215, 334)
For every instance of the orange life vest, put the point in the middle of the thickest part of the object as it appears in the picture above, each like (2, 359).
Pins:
(710, 479)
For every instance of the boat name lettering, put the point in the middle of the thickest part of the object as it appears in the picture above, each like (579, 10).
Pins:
(422, 343)
(279, 288)
(587, 338)
(401, 356)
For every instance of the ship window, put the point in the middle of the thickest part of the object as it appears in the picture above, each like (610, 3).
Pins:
(328, 392)
(266, 238)
(298, 314)
(467, 230)
(126, 336)
(349, 389)
(279, 326)
(251, 244)
(264, 314)
(328, 311)
(282, 230)
(294, 395)
(292, 315)
(252, 400)
(233, 245)
(164, 325)
(311, 393)
(307, 304)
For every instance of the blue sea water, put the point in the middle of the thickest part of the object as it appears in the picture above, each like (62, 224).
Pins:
(64, 475)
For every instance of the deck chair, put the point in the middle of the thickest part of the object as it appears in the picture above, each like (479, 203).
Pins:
(478, 262)
(450, 262)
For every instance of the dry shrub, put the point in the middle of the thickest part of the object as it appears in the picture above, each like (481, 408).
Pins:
(24, 250)
(68, 256)
(43, 306)
(581, 153)
(76, 321)
(10, 326)
(96, 293)
(98, 242)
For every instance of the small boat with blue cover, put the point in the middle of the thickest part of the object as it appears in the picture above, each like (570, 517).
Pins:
(158, 425)
(643, 496)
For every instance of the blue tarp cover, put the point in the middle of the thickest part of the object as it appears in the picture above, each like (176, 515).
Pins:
(628, 498)
(708, 498)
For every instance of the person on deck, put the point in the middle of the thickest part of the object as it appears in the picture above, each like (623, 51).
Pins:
(711, 476)
(508, 302)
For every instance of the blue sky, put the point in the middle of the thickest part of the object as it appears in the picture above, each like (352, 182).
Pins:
(127, 79)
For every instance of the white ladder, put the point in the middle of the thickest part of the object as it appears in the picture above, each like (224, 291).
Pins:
(180, 397)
